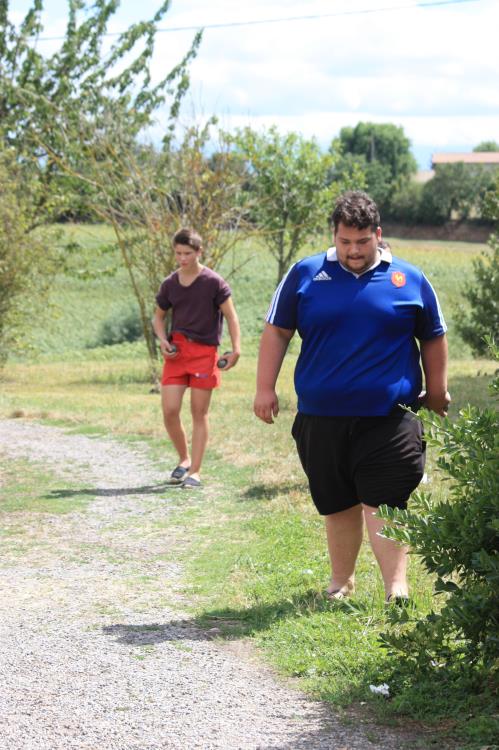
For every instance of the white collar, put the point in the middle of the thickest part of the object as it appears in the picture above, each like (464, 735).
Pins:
(383, 255)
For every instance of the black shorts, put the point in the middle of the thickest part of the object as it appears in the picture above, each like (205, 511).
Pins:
(351, 460)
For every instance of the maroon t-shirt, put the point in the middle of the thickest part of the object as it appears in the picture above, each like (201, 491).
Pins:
(195, 308)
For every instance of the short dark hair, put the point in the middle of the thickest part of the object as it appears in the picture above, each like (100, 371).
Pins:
(355, 209)
(189, 237)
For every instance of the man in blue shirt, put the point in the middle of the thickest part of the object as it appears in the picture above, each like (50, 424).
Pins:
(359, 312)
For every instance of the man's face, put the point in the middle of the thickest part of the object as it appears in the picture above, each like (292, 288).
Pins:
(186, 256)
(356, 248)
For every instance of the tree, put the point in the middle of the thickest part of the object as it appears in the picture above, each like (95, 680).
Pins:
(487, 146)
(38, 94)
(27, 257)
(383, 153)
(57, 111)
(146, 194)
(288, 190)
(482, 293)
(456, 191)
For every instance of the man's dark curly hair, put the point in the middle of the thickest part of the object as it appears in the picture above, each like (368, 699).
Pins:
(355, 209)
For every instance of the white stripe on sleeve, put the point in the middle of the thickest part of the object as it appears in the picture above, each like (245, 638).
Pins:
(275, 299)
(439, 309)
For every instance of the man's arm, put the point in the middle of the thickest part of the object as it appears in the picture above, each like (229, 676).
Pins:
(434, 361)
(230, 315)
(273, 346)
(158, 324)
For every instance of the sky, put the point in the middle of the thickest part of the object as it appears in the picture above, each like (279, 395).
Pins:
(432, 70)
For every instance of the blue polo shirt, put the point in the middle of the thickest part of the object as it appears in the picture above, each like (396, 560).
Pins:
(359, 355)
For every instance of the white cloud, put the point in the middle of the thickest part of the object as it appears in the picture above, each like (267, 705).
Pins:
(432, 70)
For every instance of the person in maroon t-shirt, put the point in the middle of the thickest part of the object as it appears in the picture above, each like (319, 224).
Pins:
(199, 299)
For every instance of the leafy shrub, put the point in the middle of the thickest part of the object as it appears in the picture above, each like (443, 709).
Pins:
(456, 191)
(120, 327)
(483, 292)
(457, 541)
(27, 255)
(405, 203)
(483, 296)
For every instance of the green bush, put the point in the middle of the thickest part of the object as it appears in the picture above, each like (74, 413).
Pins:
(27, 255)
(483, 295)
(119, 328)
(457, 541)
(405, 203)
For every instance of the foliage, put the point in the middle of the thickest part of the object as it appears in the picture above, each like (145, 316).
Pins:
(456, 191)
(457, 541)
(68, 115)
(405, 202)
(288, 192)
(120, 327)
(382, 151)
(27, 259)
(483, 295)
(487, 146)
(39, 94)
(146, 195)
(482, 319)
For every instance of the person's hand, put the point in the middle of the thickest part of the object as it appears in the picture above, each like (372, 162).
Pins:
(266, 406)
(167, 349)
(231, 358)
(437, 402)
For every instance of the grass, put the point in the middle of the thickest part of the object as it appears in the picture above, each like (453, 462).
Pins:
(254, 555)
(28, 490)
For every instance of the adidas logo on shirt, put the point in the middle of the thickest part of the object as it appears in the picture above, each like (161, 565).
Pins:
(322, 276)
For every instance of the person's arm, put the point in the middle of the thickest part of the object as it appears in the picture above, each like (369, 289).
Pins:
(230, 315)
(273, 346)
(434, 361)
(158, 324)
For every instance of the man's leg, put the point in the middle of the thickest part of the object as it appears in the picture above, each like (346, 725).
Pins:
(344, 536)
(391, 557)
(171, 401)
(200, 403)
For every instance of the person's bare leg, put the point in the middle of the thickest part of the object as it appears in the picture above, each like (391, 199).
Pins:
(171, 401)
(391, 557)
(200, 404)
(344, 536)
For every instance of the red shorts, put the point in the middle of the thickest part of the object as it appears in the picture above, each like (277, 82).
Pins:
(194, 365)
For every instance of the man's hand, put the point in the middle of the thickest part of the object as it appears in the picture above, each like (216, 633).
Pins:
(437, 402)
(167, 349)
(231, 358)
(266, 406)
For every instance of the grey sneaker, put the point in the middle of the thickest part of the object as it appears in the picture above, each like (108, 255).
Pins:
(178, 474)
(190, 483)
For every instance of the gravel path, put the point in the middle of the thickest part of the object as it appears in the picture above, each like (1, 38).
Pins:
(96, 650)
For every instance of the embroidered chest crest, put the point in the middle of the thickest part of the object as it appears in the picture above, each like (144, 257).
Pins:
(398, 278)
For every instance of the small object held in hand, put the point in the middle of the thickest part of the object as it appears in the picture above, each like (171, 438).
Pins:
(173, 349)
(222, 362)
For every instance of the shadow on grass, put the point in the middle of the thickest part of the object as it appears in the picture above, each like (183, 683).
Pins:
(147, 489)
(269, 491)
(237, 622)
(223, 622)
